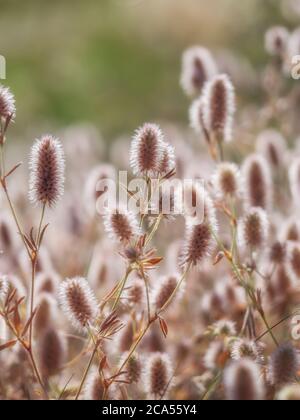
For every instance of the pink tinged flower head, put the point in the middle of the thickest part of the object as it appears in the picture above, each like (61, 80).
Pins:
(158, 374)
(78, 302)
(167, 162)
(199, 243)
(226, 180)
(196, 115)
(121, 225)
(284, 365)
(146, 151)
(253, 229)
(272, 145)
(7, 103)
(276, 40)
(257, 179)
(294, 179)
(47, 167)
(94, 387)
(198, 66)
(51, 352)
(243, 381)
(244, 348)
(219, 107)
(164, 290)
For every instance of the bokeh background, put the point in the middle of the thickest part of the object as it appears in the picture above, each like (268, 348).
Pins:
(116, 63)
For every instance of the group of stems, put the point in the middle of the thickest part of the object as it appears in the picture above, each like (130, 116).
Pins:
(33, 256)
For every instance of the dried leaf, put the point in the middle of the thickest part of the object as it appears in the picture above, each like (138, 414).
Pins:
(163, 326)
(28, 323)
(17, 320)
(8, 345)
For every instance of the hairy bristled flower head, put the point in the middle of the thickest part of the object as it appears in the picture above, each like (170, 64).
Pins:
(134, 369)
(243, 348)
(51, 352)
(290, 230)
(294, 178)
(284, 364)
(278, 252)
(216, 355)
(158, 375)
(219, 107)
(47, 166)
(7, 103)
(46, 313)
(167, 162)
(146, 151)
(199, 243)
(121, 225)
(272, 145)
(242, 381)
(258, 186)
(253, 229)
(276, 40)
(198, 66)
(4, 287)
(164, 291)
(196, 114)
(226, 180)
(78, 302)
(94, 388)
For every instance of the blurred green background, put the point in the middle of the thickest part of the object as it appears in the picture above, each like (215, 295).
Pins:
(116, 63)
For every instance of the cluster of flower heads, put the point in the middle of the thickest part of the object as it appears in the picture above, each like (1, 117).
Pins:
(135, 306)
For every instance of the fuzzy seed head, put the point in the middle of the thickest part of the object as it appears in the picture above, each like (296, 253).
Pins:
(199, 244)
(146, 153)
(226, 180)
(158, 374)
(51, 352)
(258, 186)
(291, 231)
(272, 146)
(164, 292)
(135, 293)
(78, 302)
(94, 388)
(196, 114)
(216, 355)
(167, 162)
(278, 252)
(121, 225)
(134, 370)
(47, 167)
(284, 364)
(7, 103)
(198, 66)
(219, 107)
(46, 313)
(242, 381)
(254, 229)
(276, 40)
(243, 348)
(224, 328)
